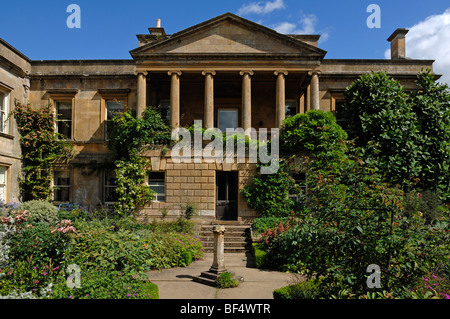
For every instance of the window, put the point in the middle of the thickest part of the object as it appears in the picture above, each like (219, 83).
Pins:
(2, 184)
(113, 107)
(64, 119)
(109, 188)
(4, 110)
(291, 108)
(157, 182)
(61, 186)
(227, 118)
(164, 110)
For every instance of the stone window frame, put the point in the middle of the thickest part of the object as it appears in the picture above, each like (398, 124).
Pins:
(297, 107)
(64, 95)
(238, 117)
(166, 118)
(5, 108)
(104, 187)
(336, 96)
(69, 186)
(4, 183)
(111, 95)
(157, 199)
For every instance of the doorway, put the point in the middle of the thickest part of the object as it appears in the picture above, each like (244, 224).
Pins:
(226, 195)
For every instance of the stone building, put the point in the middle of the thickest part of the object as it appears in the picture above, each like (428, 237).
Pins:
(226, 72)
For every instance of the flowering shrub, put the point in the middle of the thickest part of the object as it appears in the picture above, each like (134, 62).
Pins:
(27, 276)
(64, 226)
(270, 235)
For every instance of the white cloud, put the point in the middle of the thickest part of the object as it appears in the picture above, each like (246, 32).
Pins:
(285, 27)
(261, 7)
(430, 39)
(306, 25)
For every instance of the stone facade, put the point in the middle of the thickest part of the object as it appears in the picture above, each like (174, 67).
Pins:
(14, 86)
(224, 64)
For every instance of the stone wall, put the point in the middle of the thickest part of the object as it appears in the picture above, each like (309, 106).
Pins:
(14, 67)
(194, 183)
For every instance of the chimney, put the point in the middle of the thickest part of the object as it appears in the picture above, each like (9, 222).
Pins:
(158, 30)
(398, 46)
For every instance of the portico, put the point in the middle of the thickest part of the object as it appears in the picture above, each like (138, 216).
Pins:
(236, 72)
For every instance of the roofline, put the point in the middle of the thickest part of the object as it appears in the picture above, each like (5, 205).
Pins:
(383, 61)
(9, 46)
(88, 61)
(221, 17)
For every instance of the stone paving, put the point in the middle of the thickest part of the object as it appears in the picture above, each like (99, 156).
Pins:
(178, 283)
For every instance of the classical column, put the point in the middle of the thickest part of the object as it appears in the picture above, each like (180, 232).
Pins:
(246, 99)
(280, 97)
(209, 99)
(174, 99)
(315, 96)
(141, 92)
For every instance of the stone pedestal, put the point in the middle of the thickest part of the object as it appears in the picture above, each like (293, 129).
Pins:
(218, 266)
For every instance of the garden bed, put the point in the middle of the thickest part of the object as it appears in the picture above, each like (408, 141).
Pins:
(106, 259)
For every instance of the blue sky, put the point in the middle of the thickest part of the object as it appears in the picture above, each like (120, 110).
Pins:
(108, 28)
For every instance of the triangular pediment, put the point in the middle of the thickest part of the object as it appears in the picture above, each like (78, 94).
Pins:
(228, 34)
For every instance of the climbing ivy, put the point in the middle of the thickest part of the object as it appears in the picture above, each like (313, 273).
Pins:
(129, 137)
(41, 147)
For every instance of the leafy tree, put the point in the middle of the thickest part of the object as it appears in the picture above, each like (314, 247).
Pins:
(378, 115)
(431, 104)
(314, 133)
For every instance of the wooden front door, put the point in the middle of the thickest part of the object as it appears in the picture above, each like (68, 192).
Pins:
(226, 195)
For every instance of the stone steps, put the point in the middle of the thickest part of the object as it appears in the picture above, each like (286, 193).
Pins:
(236, 237)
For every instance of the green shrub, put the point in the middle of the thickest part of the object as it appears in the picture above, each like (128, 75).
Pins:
(259, 254)
(97, 244)
(102, 284)
(73, 214)
(169, 249)
(117, 246)
(427, 203)
(309, 289)
(226, 280)
(186, 258)
(38, 243)
(268, 194)
(27, 277)
(41, 211)
(315, 133)
(262, 224)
